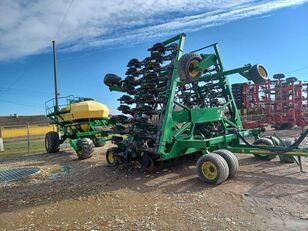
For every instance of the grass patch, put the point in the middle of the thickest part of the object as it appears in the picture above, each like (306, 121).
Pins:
(20, 148)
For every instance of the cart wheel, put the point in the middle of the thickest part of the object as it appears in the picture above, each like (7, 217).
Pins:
(146, 162)
(278, 76)
(52, 142)
(186, 67)
(264, 142)
(212, 168)
(286, 159)
(111, 158)
(231, 160)
(97, 143)
(291, 79)
(274, 139)
(258, 73)
(86, 148)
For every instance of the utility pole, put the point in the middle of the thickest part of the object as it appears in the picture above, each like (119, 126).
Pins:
(55, 76)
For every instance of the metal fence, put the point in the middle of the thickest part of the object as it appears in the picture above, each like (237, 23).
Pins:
(15, 140)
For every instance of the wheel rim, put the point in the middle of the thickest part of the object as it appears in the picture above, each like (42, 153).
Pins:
(263, 155)
(209, 170)
(110, 157)
(262, 71)
(192, 70)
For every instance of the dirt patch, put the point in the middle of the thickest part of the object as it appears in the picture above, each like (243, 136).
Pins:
(68, 194)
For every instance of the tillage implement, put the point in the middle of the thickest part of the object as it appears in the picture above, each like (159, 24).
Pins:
(176, 104)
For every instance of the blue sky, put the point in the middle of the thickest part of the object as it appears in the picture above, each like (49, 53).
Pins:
(106, 36)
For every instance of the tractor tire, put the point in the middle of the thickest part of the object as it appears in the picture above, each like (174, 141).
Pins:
(286, 159)
(52, 142)
(111, 79)
(212, 169)
(278, 76)
(86, 148)
(274, 139)
(264, 142)
(97, 143)
(291, 79)
(231, 160)
(147, 163)
(111, 158)
(258, 73)
(186, 66)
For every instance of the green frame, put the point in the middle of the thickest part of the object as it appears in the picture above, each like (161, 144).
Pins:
(72, 129)
(175, 141)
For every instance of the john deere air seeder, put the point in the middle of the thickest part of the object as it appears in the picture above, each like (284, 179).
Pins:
(177, 104)
(81, 120)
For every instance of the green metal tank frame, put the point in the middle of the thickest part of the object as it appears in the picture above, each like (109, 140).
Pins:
(175, 140)
(83, 142)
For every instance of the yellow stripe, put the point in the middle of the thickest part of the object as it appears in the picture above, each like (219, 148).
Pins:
(34, 130)
(285, 153)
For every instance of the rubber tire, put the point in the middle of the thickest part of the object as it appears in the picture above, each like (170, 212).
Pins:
(97, 143)
(112, 79)
(147, 163)
(265, 142)
(116, 159)
(231, 160)
(286, 159)
(278, 76)
(291, 79)
(86, 148)
(183, 67)
(274, 139)
(219, 162)
(52, 142)
(255, 75)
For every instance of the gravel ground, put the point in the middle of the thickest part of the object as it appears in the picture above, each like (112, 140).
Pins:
(68, 194)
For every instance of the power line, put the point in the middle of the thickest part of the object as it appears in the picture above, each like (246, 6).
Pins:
(296, 70)
(19, 104)
(23, 90)
(64, 17)
(23, 73)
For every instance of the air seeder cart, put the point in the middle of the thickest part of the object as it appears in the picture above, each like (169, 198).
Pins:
(81, 120)
(178, 104)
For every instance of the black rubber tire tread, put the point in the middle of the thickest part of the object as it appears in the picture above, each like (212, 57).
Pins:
(220, 163)
(116, 162)
(278, 76)
(147, 163)
(86, 148)
(183, 67)
(275, 140)
(291, 79)
(97, 143)
(111, 79)
(255, 75)
(231, 160)
(52, 142)
(265, 142)
(286, 159)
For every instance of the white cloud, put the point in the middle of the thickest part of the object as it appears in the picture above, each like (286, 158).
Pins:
(28, 27)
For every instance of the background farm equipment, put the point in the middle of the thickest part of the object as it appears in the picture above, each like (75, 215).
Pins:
(282, 103)
(178, 104)
(81, 120)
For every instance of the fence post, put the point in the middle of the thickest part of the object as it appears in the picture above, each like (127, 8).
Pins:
(28, 137)
(1, 141)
